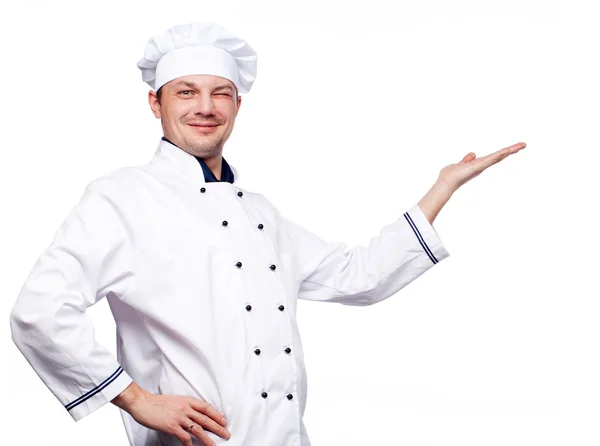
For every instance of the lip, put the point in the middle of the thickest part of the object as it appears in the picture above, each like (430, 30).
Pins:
(204, 128)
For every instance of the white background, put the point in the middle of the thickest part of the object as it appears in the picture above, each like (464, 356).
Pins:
(356, 108)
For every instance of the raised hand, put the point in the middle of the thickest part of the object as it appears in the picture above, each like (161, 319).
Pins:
(455, 175)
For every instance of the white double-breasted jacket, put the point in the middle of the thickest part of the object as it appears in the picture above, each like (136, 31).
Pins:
(202, 279)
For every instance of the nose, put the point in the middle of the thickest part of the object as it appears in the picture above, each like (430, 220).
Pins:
(204, 105)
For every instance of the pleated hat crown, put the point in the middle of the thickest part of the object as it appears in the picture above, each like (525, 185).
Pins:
(198, 48)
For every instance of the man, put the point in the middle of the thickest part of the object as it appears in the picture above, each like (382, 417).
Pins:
(203, 276)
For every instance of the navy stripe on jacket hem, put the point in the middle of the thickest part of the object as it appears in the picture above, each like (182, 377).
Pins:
(95, 390)
(420, 238)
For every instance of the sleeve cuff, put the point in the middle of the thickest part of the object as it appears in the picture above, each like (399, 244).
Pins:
(97, 397)
(426, 234)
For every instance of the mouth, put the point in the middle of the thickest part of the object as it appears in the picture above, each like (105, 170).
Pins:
(204, 128)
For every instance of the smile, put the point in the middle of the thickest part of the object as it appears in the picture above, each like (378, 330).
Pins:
(203, 128)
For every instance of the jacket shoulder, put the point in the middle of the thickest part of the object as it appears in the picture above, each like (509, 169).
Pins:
(117, 180)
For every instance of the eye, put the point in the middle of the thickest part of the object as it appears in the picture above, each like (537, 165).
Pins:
(223, 94)
(185, 91)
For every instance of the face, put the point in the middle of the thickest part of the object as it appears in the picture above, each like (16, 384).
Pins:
(197, 112)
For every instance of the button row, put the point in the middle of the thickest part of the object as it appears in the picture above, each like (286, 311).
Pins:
(289, 395)
(225, 223)
(280, 307)
(239, 265)
(239, 194)
(287, 350)
(249, 307)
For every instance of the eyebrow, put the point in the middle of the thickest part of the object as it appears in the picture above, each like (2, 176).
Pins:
(223, 87)
(193, 85)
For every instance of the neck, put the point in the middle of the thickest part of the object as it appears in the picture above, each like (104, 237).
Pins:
(214, 164)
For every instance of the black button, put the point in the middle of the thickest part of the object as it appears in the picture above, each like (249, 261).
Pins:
(260, 226)
(240, 193)
(248, 307)
(281, 307)
(225, 223)
(257, 351)
(264, 394)
(272, 267)
(290, 396)
(202, 190)
(288, 350)
(238, 264)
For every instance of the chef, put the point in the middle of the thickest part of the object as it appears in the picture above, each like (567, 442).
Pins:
(201, 275)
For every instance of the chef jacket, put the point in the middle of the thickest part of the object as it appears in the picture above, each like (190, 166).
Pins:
(202, 278)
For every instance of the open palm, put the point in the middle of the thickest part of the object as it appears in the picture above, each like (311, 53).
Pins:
(455, 175)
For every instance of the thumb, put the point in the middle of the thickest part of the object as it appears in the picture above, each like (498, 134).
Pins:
(468, 158)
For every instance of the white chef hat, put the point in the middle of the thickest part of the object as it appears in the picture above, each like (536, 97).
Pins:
(198, 48)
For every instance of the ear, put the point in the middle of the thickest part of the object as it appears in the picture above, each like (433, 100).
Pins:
(154, 105)
(239, 104)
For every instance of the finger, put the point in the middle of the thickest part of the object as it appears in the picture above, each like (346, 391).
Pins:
(183, 436)
(209, 424)
(205, 408)
(197, 431)
(515, 147)
(498, 156)
(510, 149)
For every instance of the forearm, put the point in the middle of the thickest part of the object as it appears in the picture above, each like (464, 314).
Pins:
(434, 200)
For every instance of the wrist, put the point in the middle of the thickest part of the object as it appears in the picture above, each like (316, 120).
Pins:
(443, 189)
(433, 201)
(128, 397)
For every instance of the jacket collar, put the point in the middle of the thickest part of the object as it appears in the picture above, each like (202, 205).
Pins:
(187, 164)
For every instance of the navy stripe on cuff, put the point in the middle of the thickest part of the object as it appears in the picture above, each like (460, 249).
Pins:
(420, 238)
(95, 390)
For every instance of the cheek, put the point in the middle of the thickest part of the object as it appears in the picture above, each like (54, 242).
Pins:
(226, 111)
(179, 112)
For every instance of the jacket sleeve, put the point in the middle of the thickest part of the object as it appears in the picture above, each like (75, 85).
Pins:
(88, 258)
(364, 275)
